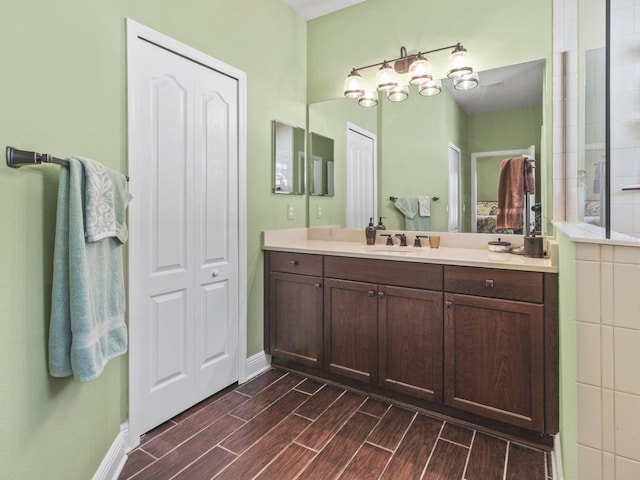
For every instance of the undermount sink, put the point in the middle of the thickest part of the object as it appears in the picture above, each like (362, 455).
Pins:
(394, 249)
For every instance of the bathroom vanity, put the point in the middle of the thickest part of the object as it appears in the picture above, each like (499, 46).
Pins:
(459, 331)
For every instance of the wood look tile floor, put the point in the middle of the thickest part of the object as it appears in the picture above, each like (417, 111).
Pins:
(283, 426)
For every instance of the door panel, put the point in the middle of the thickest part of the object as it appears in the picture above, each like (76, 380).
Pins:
(494, 359)
(351, 329)
(411, 347)
(361, 177)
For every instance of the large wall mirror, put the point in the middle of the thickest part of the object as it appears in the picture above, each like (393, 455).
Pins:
(415, 139)
(288, 158)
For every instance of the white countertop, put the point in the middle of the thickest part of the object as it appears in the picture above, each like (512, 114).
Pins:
(351, 243)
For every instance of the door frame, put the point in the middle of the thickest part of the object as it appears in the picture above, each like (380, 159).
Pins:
(475, 156)
(136, 172)
(455, 201)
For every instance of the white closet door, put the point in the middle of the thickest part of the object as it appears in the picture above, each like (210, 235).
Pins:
(184, 234)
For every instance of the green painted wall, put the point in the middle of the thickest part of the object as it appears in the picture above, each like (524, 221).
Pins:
(568, 394)
(63, 90)
(367, 33)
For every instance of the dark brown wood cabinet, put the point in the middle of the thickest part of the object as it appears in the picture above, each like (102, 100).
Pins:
(295, 308)
(476, 343)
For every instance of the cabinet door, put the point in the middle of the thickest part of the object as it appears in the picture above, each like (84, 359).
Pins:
(351, 329)
(410, 341)
(494, 359)
(296, 318)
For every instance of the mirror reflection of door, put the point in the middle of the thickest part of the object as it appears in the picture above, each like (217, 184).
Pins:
(362, 177)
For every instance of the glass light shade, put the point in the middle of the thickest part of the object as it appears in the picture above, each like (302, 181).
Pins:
(398, 93)
(386, 77)
(354, 85)
(466, 82)
(420, 71)
(459, 63)
(369, 99)
(430, 88)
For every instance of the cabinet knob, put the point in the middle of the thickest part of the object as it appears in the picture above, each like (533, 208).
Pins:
(371, 293)
(317, 285)
(380, 294)
(448, 304)
(293, 262)
(215, 273)
(488, 283)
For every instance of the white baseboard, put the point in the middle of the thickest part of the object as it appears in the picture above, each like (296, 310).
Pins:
(256, 364)
(116, 456)
(556, 459)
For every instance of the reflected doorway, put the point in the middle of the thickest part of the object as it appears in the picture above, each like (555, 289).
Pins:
(362, 177)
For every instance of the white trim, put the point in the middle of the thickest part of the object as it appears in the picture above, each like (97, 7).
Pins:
(556, 459)
(137, 30)
(256, 364)
(113, 462)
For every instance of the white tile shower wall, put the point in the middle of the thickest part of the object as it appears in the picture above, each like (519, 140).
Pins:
(608, 355)
(625, 115)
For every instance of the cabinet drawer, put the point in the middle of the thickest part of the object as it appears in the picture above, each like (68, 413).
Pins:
(494, 283)
(302, 263)
(388, 272)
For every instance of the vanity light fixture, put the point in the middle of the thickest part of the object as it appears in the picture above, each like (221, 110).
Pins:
(419, 73)
(466, 82)
(368, 99)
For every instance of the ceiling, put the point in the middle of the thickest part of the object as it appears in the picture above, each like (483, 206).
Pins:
(513, 86)
(310, 9)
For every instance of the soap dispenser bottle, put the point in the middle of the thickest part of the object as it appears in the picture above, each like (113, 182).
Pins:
(380, 225)
(370, 232)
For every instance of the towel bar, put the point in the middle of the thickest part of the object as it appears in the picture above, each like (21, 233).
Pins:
(19, 158)
(393, 199)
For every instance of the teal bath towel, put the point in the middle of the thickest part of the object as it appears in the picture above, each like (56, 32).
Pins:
(410, 207)
(87, 327)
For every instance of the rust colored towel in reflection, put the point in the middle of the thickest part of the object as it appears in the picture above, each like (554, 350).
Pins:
(516, 178)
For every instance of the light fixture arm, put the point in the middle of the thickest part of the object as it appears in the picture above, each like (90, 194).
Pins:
(403, 55)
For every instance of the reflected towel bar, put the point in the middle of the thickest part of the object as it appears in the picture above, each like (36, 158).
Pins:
(19, 158)
(393, 199)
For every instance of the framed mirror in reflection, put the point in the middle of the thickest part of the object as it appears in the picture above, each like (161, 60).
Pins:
(504, 113)
(288, 158)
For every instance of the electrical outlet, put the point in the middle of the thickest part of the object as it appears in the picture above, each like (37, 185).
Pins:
(290, 212)
(318, 211)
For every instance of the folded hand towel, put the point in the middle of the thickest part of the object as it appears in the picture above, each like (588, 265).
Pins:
(424, 205)
(87, 327)
(99, 210)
